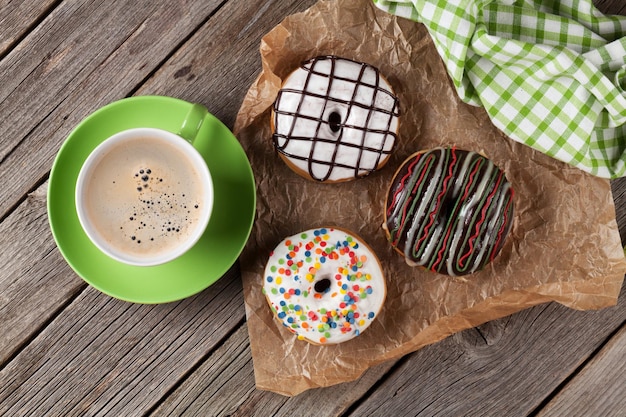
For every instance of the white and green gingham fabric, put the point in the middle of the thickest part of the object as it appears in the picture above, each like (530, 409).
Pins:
(551, 74)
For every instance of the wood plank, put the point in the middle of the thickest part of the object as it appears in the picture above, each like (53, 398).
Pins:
(108, 357)
(599, 388)
(83, 56)
(611, 6)
(17, 17)
(219, 385)
(224, 386)
(507, 367)
(35, 280)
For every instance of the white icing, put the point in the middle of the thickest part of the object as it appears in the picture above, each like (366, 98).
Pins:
(370, 109)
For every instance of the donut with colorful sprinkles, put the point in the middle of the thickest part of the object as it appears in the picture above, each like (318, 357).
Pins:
(449, 211)
(325, 285)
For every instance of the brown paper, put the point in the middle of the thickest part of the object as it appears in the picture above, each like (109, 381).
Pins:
(564, 245)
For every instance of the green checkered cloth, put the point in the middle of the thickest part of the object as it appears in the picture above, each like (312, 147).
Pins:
(550, 74)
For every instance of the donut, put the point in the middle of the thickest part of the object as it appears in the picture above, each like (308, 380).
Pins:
(325, 285)
(449, 211)
(335, 119)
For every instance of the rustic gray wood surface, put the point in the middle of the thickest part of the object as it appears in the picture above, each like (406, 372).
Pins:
(68, 350)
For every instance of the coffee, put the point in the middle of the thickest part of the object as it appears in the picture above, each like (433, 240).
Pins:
(144, 197)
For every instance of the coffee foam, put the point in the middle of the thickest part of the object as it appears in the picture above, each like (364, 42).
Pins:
(144, 197)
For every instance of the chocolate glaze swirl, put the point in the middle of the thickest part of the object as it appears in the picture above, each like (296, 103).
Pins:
(449, 211)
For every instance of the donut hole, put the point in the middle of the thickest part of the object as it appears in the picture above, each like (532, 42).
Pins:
(334, 121)
(447, 209)
(322, 285)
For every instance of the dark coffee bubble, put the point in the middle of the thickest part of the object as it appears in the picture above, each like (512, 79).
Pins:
(131, 218)
(141, 171)
(148, 171)
(145, 178)
(196, 206)
(133, 237)
(139, 188)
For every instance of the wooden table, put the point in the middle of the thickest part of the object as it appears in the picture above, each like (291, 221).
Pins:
(66, 349)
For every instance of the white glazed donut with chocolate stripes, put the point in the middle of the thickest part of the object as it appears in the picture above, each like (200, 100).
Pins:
(335, 119)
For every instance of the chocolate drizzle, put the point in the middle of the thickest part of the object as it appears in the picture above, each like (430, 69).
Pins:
(330, 125)
(449, 211)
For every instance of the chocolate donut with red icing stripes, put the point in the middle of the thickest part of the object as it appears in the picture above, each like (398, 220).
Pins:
(449, 211)
(335, 119)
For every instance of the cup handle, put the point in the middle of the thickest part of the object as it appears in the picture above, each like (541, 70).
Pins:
(193, 122)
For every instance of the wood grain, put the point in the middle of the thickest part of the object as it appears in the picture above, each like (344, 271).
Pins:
(599, 388)
(224, 386)
(504, 368)
(36, 280)
(218, 386)
(110, 357)
(611, 6)
(18, 17)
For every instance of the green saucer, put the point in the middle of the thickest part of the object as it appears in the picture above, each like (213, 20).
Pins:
(224, 238)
